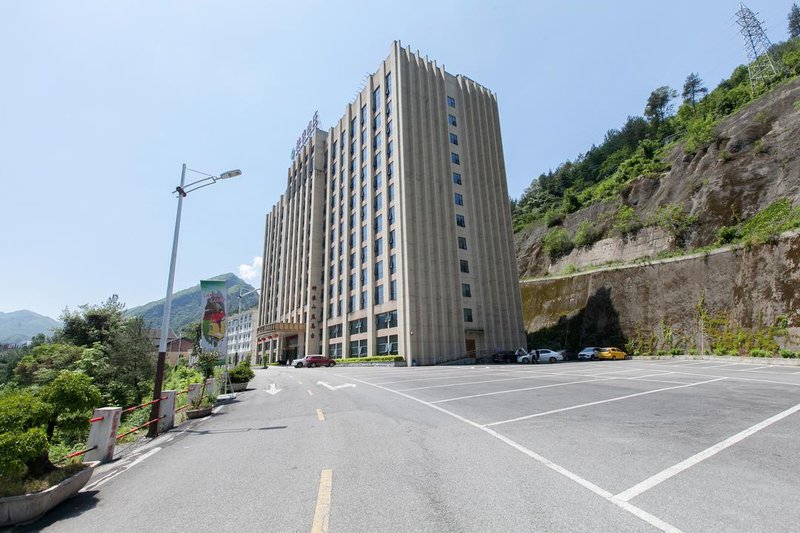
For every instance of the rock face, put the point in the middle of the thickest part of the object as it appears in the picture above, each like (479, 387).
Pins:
(751, 162)
(754, 287)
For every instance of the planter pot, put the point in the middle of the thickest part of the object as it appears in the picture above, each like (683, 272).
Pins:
(28, 507)
(239, 387)
(199, 412)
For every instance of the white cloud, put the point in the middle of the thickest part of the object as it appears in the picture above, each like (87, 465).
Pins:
(251, 273)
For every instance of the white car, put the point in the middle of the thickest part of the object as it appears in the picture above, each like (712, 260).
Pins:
(588, 353)
(544, 355)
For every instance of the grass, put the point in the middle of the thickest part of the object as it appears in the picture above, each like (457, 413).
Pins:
(27, 486)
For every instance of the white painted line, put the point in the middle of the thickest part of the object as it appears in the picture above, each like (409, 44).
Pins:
(521, 390)
(639, 513)
(618, 398)
(469, 383)
(309, 392)
(664, 475)
(320, 415)
(121, 470)
(737, 378)
(657, 381)
(217, 409)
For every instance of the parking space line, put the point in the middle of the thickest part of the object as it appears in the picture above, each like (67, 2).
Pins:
(656, 381)
(738, 378)
(521, 390)
(626, 506)
(664, 475)
(322, 512)
(320, 415)
(529, 376)
(618, 398)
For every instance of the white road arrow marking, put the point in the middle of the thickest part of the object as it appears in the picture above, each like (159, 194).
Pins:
(334, 387)
(273, 390)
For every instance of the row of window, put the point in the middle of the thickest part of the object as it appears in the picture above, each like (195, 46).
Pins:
(359, 325)
(386, 345)
(378, 296)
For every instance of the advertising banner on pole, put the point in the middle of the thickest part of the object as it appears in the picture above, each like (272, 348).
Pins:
(214, 327)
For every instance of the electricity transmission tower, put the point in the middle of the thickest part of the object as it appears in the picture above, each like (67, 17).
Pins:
(761, 67)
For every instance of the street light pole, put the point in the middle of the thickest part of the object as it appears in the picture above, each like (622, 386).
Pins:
(152, 430)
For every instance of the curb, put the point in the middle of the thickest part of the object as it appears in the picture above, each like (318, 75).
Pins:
(773, 361)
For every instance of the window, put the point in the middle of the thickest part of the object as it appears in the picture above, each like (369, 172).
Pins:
(353, 260)
(358, 348)
(379, 295)
(454, 158)
(378, 246)
(377, 181)
(378, 223)
(388, 128)
(392, 264)
(335, 144)
(363, 233)
(358, 326)
(376, 99)
(388, 108)
(352, 152)
(363, 154)
(464, 266)
(379, 270)
(352, 223)
(363, 300)
(363, 138)
(363, 212)
(386, 320)
(388, 80)
(390, 149)
(335, 350)
(391, 240)
(339, 308)
(451, 102)
(460, 221)
(377, 160)
(363, 114)
(454, 139)
(351, 304)
(459, 198)
(335, 331)
(376, 141)
(390, 169)
(467, 314)
(378, 204)
(462, 243)
(451, 119)
(352, 129)
(465, 290)
(376, 123)
(390, 193)
(363, 276)
(363, 254)
(351, 283)
(387, 345)
(393, 289)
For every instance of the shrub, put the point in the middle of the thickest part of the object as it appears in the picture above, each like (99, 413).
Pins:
(674, 220)
(570, 269)
(760, 353)
(371, 359)
(242, 373)
(557, 243)
(676, 351)
(586, 235)
(725, 156)
(22, 453)
(699, 133)
(789, 354)
(626, 221)
(728, 234)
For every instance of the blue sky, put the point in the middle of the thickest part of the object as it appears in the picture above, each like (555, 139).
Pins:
(101, 102)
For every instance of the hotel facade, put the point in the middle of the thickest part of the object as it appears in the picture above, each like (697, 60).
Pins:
(394, 233)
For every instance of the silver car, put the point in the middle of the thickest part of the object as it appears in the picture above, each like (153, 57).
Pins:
(588, 353)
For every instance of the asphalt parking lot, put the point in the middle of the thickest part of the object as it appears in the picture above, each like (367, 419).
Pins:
(682, 445)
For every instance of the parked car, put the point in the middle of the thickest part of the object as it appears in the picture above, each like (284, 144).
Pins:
(312, 361)
(504, 356)
(588, 353)
(611, 353)
(543, 355)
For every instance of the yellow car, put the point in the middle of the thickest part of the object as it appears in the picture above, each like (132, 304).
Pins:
(611, 353)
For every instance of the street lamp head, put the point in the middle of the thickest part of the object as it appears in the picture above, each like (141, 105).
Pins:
(230, 174)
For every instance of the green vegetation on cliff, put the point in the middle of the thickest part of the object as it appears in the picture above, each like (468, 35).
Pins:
(639, 146)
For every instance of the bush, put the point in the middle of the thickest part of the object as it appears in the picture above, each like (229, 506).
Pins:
(21, 453)
(586, 235)
(789, 354)
(371, 359)
(242, 373)
(728, 234)
(626, 221)
(674, 220)
(557, 243)
(760, 353)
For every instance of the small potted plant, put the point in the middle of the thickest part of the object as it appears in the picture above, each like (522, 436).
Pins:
(202, 404)
(241, 375)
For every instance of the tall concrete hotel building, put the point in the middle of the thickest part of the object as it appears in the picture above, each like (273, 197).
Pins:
(394, 233)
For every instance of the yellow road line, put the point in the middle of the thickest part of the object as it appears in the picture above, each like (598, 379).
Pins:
(323, 511)
(320, 416)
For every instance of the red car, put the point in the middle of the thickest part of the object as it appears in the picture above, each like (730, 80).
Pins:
(313, 360)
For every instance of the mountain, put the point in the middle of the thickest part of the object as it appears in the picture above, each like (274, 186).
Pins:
(187, 307)
(19, 326)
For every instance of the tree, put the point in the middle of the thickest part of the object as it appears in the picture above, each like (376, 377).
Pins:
(692, 88)
(658, 104)
(794, 21)
(93, 323)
